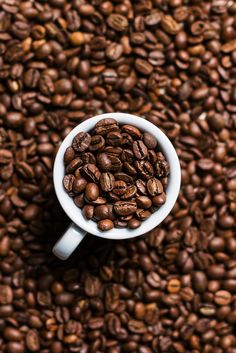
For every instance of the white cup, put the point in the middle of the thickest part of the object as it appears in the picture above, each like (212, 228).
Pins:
(80, 226)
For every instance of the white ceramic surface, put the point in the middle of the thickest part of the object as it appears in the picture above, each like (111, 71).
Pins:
(74, 213)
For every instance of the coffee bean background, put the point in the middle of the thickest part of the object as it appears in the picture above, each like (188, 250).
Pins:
(173, 63)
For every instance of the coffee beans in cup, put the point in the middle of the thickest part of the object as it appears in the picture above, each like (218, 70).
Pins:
(116, 174)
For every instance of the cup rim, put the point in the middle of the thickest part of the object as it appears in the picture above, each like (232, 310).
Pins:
(172, 191)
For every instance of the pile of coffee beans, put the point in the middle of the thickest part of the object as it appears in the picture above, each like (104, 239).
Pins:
(116, 174)
(171, 62)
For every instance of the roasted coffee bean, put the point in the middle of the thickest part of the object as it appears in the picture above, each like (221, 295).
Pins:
(161, 169)
(129, 169)
(105, 225)
(145, 169)
(129, 193)
(79, 185)
(88, 211)
(134, 223)
(106, 125)
(154, 187)
(104, 162)
(69, 155)
(81, 141)
(159, 200)
(132, 130)
(125, 208)
(68, 181)
(113, 138)
(91, 172)
(149, 140)
(123, 176)
(144, 202)
(97, 143)
(119, 187)
(107, 181)
(88, 158)
(142, 214)
(91, 191)
(73, 165)
(139, 149)
(101, 212)
(127, 156)
(141, 186)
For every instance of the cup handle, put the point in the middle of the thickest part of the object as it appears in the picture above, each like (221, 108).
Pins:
(68, 242)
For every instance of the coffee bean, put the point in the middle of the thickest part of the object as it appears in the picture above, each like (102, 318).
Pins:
(139, 149)
(117, 22)
(222, 297)
(142, 214)
(119, 187)
(133, 223)
(69, 155)
(88, 211)
(145, 169)
(12, 334)
(79, 185)
(6, 294)
(125, 208)
(113, 138)
(32, 341)
(68, 181)
(107, 181)
(161, 169)
(159, 200)
(73, 165)
(132, 130)
(199, 280)
(104, 162)
(106, 125)
(144, 202)
(105, 225)
(91, 172)
(97, 143)
(149, 140)
(129, 193)
(127, 156)
(81, 141)
(91, 191)
(123, 176)
(154, 187)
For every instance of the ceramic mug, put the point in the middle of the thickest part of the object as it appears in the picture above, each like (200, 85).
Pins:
(81, 226)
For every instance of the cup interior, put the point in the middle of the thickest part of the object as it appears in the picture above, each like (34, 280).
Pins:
(172, 191)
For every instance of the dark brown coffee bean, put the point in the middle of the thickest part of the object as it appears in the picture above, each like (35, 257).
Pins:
(143, 202)
(129, 193)
(79, 200)
(132, 130)
(222, 297)
(145, 169)
(91, 191)
(88, 211)
(32, 341)
(79, 185)
(116, 164)
(107, 181)
(97, 143)
(159, 200)
(117, 22)
(120, 224)
(91, 172)
(127, 156)
(139, 149)
(69, 155)
(199, 280)
(81, 141)
(14, 119)
(113, 138)
(142, 214)
(119, 187)
(88, 158)
(68, 181)
(134, 223)
(73, 165)
(149, 141)
(125, 208)
(128, 168)
(154, 187)
(12, 334)
(6, 294)
(106, 125)
(105, 225)
(101, 212)
(104, 162)
(141, 186)
(123, 176)
(162, 169)
(113, 151)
